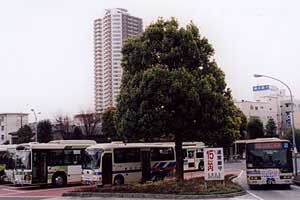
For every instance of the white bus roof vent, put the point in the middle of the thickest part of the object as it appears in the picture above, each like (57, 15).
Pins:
(73, 142)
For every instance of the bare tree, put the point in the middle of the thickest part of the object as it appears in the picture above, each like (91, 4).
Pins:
(63, 125)
(90, 121)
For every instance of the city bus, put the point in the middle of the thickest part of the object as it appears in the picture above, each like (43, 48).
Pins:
(120, 163)
(6, 162)
(269, 161)
(57, 162)
(193, 156)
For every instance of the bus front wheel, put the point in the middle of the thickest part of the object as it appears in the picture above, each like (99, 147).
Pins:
(59, 180)
(119, 180)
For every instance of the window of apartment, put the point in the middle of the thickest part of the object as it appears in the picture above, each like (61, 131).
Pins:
(256, 108)
(251, 107)
(2, 128)
(2, 137)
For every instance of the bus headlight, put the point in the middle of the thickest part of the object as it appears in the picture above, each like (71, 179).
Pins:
(255, 178)
(285, 177)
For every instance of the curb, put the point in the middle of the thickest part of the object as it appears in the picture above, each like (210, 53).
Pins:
(152, 196)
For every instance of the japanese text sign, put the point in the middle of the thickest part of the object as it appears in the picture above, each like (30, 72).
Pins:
(213, 164)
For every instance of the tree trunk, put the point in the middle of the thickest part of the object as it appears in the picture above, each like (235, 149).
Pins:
(179, 159)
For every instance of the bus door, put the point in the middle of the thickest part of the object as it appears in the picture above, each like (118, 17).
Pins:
(107, 169)
(146, 164)
(39, 167)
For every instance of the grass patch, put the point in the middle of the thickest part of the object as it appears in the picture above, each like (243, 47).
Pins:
(193, 186)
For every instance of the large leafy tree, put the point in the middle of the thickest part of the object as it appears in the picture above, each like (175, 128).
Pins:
(243, 125)
(171, 86)
(271, 128)
(44, 131)
(24, 134)
(108, 124)
(255, 128)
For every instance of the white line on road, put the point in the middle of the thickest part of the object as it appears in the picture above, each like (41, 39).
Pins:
(254, 195)
(295, 186)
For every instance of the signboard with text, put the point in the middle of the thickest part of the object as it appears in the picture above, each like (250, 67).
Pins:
(213, 164)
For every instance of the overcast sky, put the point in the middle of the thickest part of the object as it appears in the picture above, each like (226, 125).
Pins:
(46, 46)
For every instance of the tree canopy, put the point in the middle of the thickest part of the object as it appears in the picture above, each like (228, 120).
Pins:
(171, 85)
(44, 131)
(108, 124)
(255, 128)
(24, 134)
(271, 128)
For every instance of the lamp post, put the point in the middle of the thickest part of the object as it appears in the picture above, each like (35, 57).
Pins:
(292, 116)
(35, 116)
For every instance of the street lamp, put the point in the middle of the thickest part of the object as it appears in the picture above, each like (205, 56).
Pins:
(35, 116)
(292, 116)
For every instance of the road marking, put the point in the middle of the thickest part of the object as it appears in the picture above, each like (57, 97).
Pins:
(254, 195)
(12, 190)
(295, 186)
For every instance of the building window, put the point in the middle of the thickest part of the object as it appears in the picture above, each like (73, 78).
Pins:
(2, 128)
(251, 107)
(256, 108)
(2, 137)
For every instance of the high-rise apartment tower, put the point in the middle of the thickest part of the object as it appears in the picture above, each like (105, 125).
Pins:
(109, 34)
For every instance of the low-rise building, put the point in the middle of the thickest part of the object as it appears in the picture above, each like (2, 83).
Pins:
(10, 123)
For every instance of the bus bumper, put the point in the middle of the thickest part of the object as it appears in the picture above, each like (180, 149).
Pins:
(91, 180)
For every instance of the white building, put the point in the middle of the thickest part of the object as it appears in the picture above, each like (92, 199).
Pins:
(109, 34)
(9, 123)
(285, 106)
(266, 104)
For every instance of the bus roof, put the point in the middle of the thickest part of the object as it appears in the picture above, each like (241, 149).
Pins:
(5, 147)
(72, 142)
(57, 144)
(260, 140)
(129, 145)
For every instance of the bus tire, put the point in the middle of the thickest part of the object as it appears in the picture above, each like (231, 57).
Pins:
(159, 177)
(119, 180)
(252, 187)
(59, 179)
(201, 166)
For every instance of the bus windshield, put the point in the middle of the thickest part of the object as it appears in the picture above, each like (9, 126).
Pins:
(260, 158)
(23, 160)
(91, 159)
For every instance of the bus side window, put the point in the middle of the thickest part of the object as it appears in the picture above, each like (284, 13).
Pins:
(199, 155)
(56, 157)
(127, 155)
(161, 154)
(191, 154)
(72, 157)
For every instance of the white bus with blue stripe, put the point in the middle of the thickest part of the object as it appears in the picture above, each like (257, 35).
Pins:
(120, 163)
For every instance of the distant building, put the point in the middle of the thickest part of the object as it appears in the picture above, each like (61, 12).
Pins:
(109, 34)
(285, 106)
(10, 123)
(260, 110)
(266, 105)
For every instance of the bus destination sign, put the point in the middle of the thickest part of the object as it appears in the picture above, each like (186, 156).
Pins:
(268, 145)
